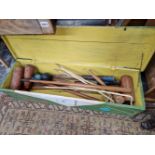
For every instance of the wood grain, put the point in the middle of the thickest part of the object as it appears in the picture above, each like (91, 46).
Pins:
(150, 22)
(25, 26)
(150, 78)
(108, 88)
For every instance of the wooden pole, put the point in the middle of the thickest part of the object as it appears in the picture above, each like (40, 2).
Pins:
(74, 92)
(97, 78)
(107, 88)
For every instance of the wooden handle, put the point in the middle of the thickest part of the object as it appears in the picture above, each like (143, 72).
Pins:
(81, 95)
(127, 82)
(77, 93)
(18, 73)
(108, 88)
(97, 78)
(29, 70)
(149, 91)
(119, 99)
(147, 99)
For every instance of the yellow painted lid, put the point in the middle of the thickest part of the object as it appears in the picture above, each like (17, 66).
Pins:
(130, 47)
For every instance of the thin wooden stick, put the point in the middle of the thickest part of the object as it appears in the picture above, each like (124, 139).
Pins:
(69, 88)
(81, 95)
(107, 88)
(149, 91)
(101, 83)
(90, 90)
(97, 78)
(78, 77)
(107, 96)
(147, 99)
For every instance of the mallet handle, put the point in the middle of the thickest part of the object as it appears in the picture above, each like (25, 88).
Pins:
(108, 88)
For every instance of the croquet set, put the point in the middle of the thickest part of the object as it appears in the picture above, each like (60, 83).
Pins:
(107, 88)
(94, 68)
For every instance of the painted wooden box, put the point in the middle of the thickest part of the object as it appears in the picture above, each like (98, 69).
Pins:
(107, 50)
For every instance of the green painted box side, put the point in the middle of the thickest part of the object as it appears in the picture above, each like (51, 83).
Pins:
(111, 108)
(120, 109)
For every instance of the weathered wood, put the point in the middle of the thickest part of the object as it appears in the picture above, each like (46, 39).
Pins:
(97, 78)
(150, 78)
(150, 22)
(133, 22)
(46, 25)
(26, 26)
(149, 91)
(108, 88)
(126, 22)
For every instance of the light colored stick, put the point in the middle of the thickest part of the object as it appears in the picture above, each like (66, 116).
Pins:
(101, 83)
(107, 96)
(97, 78)
(147, 99)
(81, 95)
(91, 90)
(77, 93)
(78, 77)
(69, 90)
(85, 81)
(149, 91)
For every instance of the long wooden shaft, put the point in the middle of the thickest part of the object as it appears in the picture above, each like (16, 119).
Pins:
(100, 82)
(84, 89)
(147, 99)
(149, 91)
(81, 95)
(108, 88)
(77, 93)
(97, 78)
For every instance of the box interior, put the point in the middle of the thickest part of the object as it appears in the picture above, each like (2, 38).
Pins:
(83, 70)
(106, 50)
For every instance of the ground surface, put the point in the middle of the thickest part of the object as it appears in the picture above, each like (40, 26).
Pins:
(23, 117)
